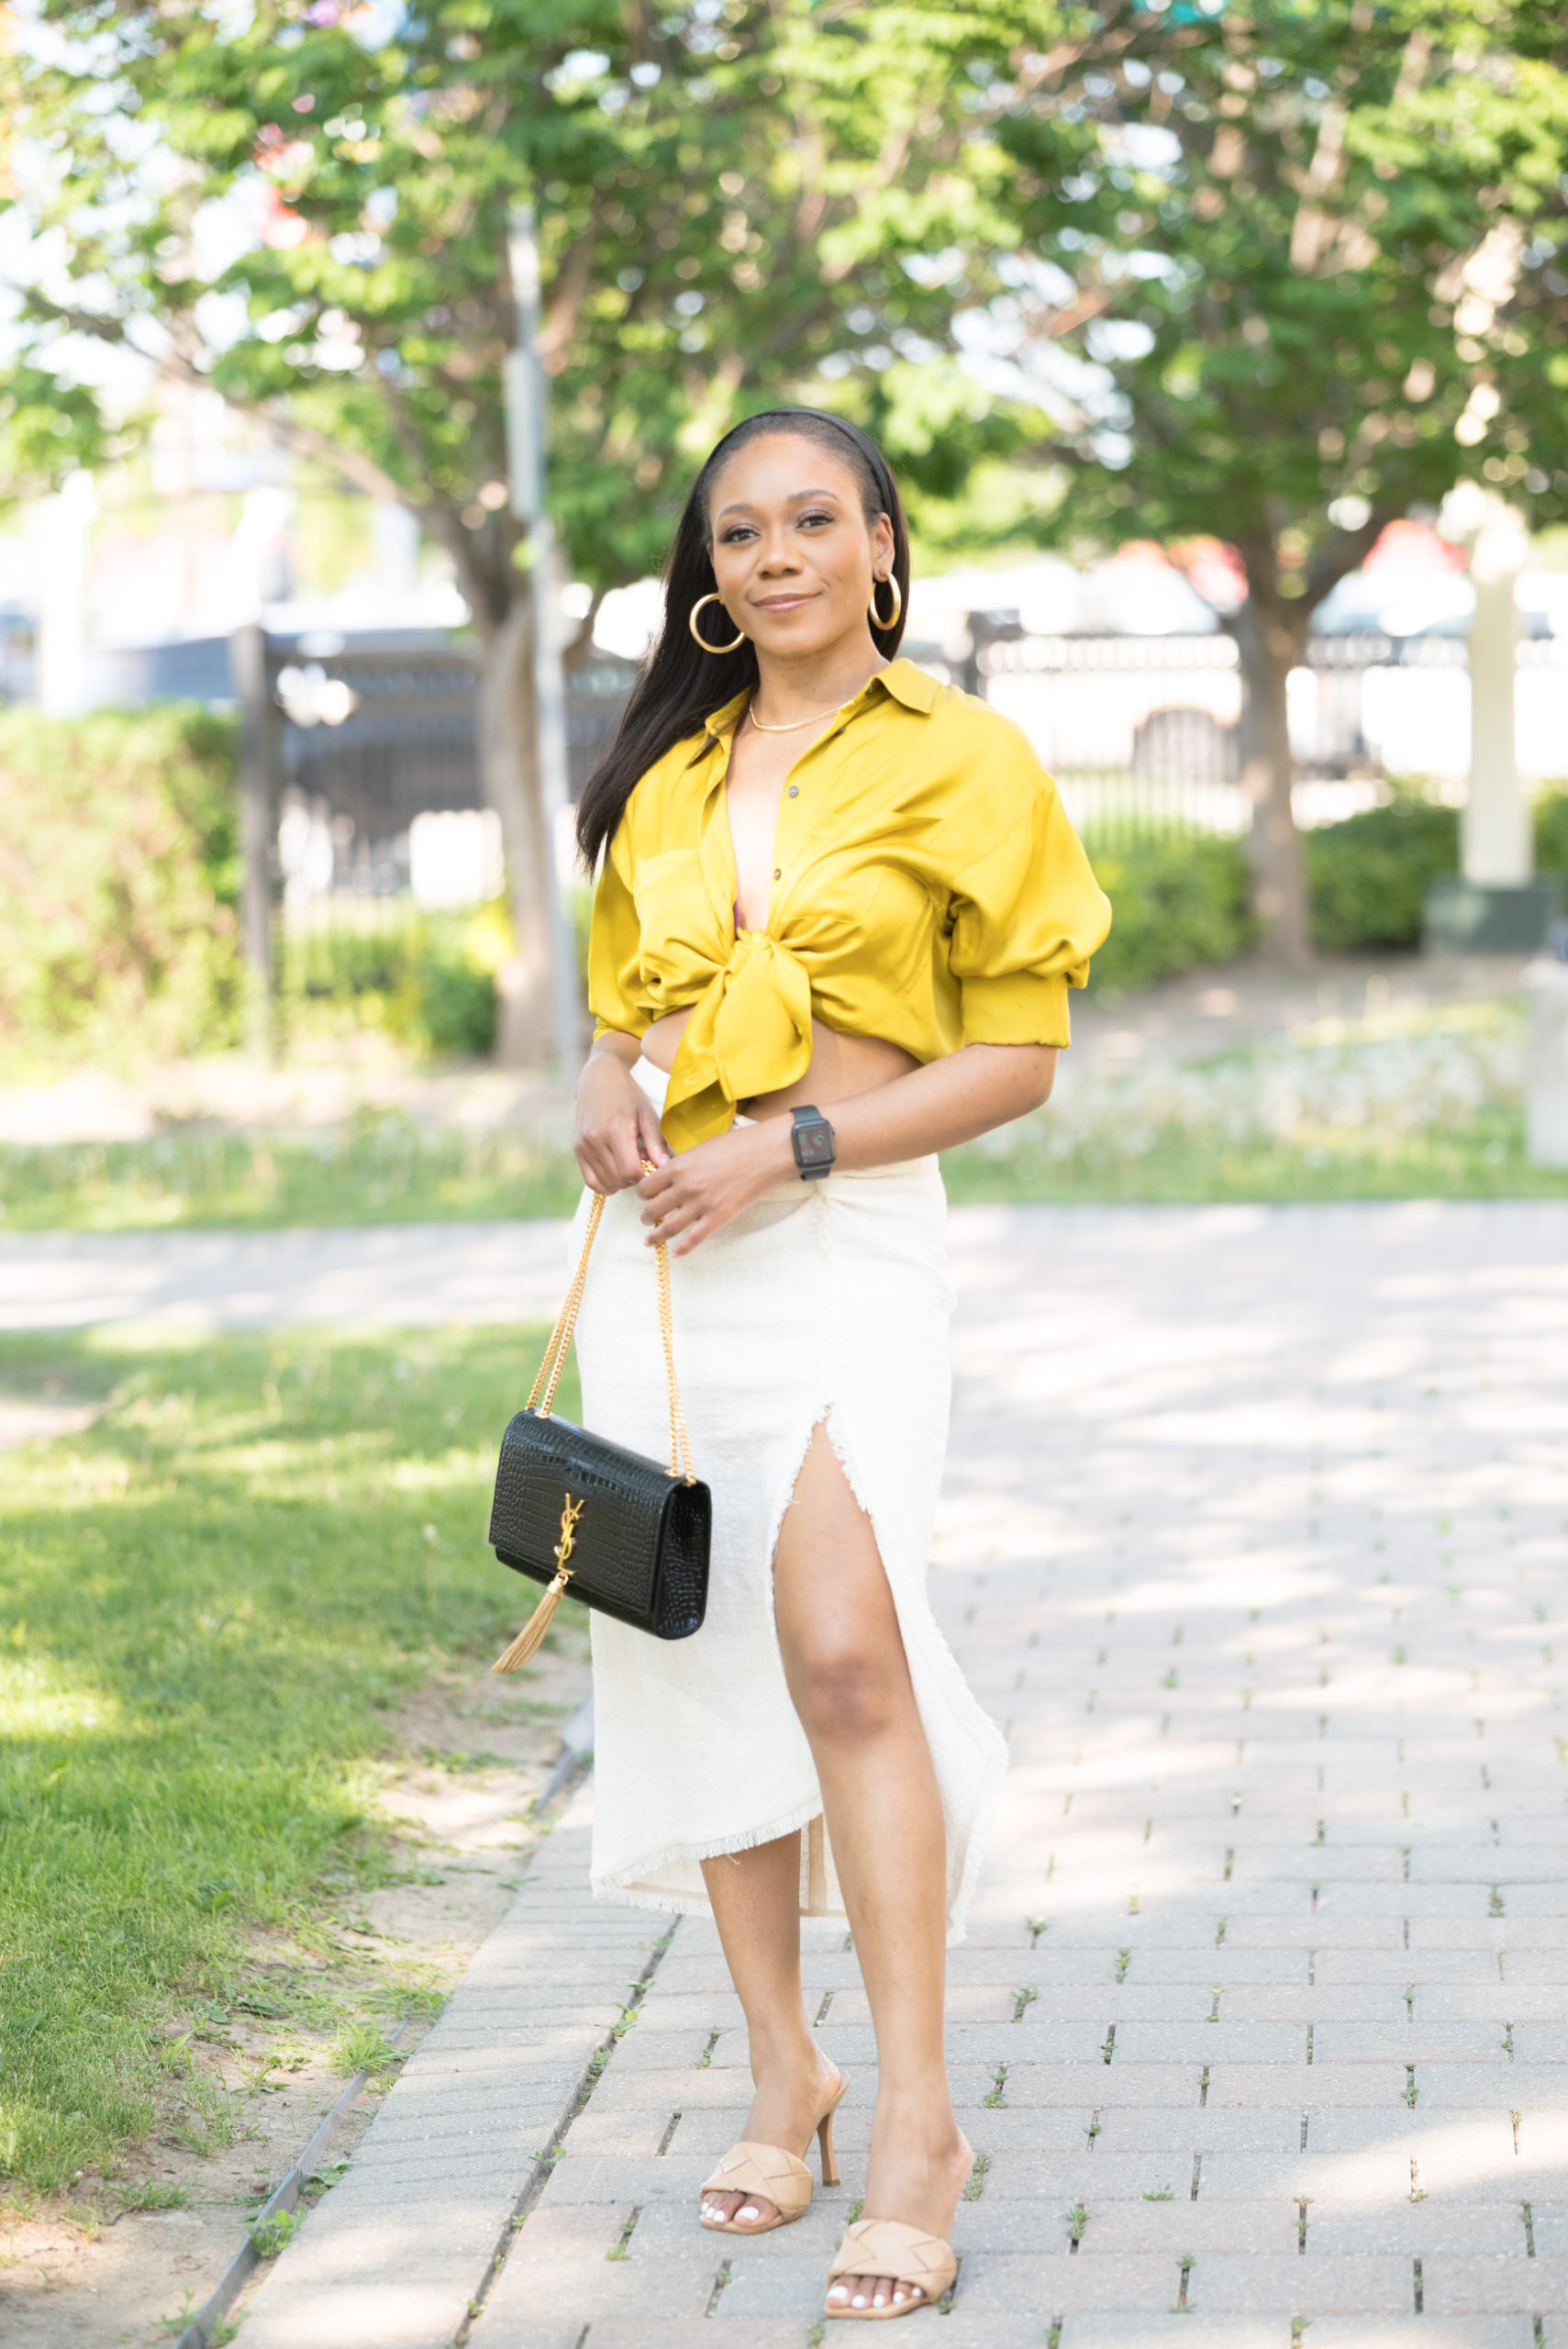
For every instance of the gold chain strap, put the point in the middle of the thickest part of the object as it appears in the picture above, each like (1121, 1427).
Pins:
(680, 1444)
(554, 1361)
(566, 1320)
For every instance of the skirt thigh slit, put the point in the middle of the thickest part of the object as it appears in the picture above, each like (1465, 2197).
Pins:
(826, 1305)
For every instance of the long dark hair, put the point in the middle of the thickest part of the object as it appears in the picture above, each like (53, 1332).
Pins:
(681, 685)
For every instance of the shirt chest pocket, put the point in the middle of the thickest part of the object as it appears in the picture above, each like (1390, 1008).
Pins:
(897, 922)
(674, 919)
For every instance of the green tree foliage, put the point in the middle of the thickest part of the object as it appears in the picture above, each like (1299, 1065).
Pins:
(727, 197)
(48, 427)
(1289, 268)
(1280, 271)
(119, 878)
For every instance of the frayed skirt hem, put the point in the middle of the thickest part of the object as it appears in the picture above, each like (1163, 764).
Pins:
(630, 1886)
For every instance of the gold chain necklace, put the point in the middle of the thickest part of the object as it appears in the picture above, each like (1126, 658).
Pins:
(795, 723)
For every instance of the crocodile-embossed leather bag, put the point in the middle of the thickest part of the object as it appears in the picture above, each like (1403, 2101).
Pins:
(629, 1535)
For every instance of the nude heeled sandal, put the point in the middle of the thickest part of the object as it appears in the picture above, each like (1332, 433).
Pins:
(887, 2247)
(778, 2176)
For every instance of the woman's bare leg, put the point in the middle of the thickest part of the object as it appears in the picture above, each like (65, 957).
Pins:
(848, 1676)
(756, 1905)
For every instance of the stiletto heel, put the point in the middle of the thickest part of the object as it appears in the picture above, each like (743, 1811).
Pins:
(781, 2178)
(825, 2143)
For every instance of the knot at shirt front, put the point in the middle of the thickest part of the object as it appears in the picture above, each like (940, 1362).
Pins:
(750, 1032)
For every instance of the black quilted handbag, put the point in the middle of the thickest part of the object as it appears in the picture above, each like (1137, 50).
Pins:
(627, 1534)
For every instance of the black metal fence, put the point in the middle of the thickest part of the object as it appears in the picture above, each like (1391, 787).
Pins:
(1148, 733)
(1144, 733)
(372, 734)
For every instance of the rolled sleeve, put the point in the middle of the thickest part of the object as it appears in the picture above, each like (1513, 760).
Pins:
(1026, 918)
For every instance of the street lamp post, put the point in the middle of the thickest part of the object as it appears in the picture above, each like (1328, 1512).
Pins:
(526, 466)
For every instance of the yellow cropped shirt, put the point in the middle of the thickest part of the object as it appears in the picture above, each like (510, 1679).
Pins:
(928, 889)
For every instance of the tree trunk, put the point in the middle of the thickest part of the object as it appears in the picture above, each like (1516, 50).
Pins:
(508, 769)
(1270, 647)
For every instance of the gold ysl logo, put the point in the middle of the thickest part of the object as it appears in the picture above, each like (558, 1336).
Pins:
(564, 1547)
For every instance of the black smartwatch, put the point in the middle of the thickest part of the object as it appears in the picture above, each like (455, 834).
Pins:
(812, 1141)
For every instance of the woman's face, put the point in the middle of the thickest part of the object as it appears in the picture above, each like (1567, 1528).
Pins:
(792, 553)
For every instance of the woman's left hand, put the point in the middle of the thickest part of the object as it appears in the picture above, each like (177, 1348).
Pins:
(696, 1193)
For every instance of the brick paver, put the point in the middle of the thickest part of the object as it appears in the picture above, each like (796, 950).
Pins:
(1254, 1541)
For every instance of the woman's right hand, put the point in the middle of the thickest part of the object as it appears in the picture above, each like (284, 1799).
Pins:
(618, 1126)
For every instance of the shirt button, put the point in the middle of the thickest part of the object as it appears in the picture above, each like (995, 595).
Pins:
(778, 872)
(795, 791)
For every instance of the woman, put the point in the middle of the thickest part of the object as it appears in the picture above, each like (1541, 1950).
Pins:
(838, 914)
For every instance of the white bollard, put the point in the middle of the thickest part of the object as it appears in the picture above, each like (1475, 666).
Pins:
(1495, 842)
(1546, 1102)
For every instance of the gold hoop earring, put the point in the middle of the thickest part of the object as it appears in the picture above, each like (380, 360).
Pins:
(692, 624)
(877, 620)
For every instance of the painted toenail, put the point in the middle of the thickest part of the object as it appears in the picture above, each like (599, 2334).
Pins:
(859, 2301)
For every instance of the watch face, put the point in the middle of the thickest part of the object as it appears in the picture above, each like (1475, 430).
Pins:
(815, 1144)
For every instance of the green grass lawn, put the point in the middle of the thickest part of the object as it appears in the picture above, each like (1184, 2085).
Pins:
(1429, 1104)
(236, 1185)
(209, 1605)
(1483, 1160)
(1426, 1103)
(381, 1168)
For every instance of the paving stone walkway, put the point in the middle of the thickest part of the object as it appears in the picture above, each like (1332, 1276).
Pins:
(391, 1276)
(1254, 1541)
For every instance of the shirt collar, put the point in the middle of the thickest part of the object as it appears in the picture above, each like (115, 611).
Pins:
(720, 724)
(908, 686)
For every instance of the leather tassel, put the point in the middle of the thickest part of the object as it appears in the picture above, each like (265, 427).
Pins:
(530, 1639)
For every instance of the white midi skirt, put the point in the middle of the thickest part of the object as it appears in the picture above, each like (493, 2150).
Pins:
(825, 1302)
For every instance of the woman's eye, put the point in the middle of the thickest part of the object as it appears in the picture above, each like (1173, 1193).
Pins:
(806, 519)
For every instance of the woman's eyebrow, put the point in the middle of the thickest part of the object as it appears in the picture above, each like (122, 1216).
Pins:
(796, 497)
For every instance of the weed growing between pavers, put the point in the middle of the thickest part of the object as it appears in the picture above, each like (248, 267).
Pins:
(210, 1604)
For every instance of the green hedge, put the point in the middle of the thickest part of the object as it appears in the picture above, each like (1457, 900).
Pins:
(120, 880)
(1179, 899)
(1369, 876)
(1551, 831)
(427, 980)
(118, 883)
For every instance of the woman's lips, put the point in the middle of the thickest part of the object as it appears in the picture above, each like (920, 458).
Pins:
(784, 603)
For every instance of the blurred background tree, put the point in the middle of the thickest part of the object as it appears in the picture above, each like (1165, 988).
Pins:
(305, 206)
(1253, 278)
(1283, 272)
